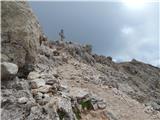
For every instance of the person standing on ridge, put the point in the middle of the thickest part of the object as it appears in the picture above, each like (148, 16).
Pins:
(61, 34)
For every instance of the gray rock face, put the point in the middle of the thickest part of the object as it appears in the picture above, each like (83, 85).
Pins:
(8, 69)
(20, 32)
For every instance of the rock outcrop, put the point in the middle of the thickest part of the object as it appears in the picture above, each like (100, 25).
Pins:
(21, 33)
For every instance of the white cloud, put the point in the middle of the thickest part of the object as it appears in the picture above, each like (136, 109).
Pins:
(134, 4)
(127, 30)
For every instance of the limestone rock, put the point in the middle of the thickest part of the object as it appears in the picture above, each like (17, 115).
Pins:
(79, 93)
(36, 83)
(64, 106)
(36, 113)
(4, 58)
(23, 100)
(101, 105)
(97, 102)
(149, 109)
(38, 96)
(33, 75)
(8, 69)
(63, 88)
(20, 32)
(33, 85)
(44, 89)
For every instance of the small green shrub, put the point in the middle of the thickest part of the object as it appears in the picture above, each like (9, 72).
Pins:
(61, 114)
(86, 104)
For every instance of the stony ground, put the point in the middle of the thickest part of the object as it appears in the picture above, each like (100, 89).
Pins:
(120, 105)
(63, 85)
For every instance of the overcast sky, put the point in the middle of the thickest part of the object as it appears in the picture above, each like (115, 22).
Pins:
(118, 29)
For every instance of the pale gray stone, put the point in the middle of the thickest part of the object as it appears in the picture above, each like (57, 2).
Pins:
(8, 69)
(23, 100)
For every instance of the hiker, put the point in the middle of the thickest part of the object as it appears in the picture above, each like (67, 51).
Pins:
(61, 34)
(42, 38)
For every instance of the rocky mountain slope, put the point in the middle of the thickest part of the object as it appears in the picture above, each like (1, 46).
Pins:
(60, 80)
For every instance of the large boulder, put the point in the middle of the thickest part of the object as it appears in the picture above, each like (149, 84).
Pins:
(8, 70)
(20, 33)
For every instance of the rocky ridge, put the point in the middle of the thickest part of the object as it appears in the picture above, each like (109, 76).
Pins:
(66, 81)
